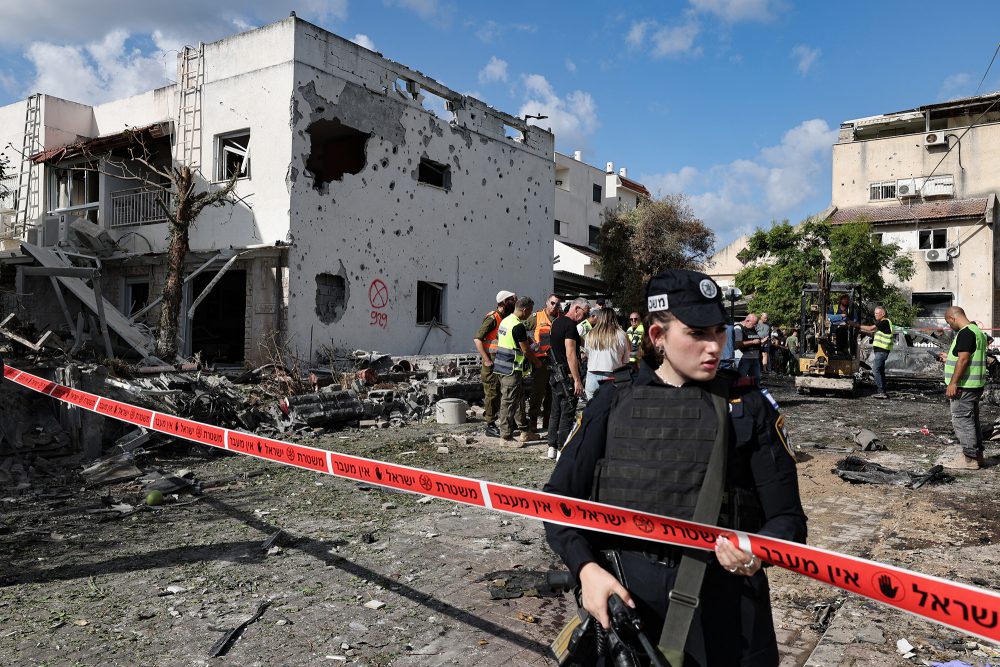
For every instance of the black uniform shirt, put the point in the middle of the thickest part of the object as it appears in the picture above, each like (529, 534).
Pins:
(759, 458)
(563, 328)
(966, 341)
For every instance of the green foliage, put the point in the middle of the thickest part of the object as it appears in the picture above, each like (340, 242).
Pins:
(635, 244)
(780, 260)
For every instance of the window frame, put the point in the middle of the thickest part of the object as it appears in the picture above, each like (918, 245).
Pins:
(443, 168)
(593, 234)
(246, 168)
(598, 193)
(883, 187)
(442, 291)
(942, 231)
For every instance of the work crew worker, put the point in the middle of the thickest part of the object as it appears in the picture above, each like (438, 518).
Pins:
(882, 341)
(485, 341)
(674, 438)
(513, 352)
(965, 375)
(540, 324)
(749, 343)
(634, 333)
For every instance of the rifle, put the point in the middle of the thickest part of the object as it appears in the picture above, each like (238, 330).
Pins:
(583, 635)
(556, 371)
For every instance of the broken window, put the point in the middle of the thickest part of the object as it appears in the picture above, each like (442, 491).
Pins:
(434, 173)
(932, 239)
(233, 158)
(430, 302)
(136, 296)
(331, 297)
(76, 189)
(335, 150)
(593, 234)
(597, 193)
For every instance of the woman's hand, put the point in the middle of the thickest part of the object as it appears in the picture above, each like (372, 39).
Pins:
(734, 560)
(597, 585)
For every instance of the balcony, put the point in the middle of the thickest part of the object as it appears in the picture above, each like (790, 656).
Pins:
(135, 206)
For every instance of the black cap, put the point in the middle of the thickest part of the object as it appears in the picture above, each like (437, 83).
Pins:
(690, 296)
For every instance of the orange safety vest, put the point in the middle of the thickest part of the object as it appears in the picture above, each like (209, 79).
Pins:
(491, 338)
(543, 327)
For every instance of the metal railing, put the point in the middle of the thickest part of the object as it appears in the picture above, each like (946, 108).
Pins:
(135, 206)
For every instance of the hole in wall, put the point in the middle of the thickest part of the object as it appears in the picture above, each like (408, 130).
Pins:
(335, 149)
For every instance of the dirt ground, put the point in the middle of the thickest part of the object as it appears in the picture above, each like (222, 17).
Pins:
(363, 576)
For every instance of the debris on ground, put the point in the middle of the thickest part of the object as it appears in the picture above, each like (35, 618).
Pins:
(867, 439)
(225, 641)
(856, 469)
(512, 584)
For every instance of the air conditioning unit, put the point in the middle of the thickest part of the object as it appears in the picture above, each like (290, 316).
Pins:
(936, 255)
(935, 139)
(907, 187)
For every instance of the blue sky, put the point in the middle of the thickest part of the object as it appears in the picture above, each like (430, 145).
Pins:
(734, 103)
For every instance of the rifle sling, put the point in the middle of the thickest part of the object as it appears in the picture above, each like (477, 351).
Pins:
(684, 598)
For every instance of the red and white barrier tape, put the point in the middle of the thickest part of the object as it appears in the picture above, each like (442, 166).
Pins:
(975, 611)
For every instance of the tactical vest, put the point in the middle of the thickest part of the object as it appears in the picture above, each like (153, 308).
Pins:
(659, 442)
(882, 340)
(509, 356)
(635, 339)
(491, 338)
(974, 376)
(750, 334)
(543, 332)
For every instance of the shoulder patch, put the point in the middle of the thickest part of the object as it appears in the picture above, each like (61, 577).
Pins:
(782, 433)
(770, 399)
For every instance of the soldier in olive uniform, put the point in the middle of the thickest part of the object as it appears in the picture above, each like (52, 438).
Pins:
(485, 341)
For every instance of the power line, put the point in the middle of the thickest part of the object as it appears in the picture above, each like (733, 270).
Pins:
(988, 68)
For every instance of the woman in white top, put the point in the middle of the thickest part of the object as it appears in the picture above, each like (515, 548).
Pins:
(607, 348)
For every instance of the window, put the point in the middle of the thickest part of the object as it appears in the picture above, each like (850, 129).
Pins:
(136, 295)
(430, 302)
(593, 234)
(77, 189)
(560, 228)
(434, 173)
(877, 239)
(931, 239)
(597, 193)
(562, 178)
(882, 190)
(233, 158)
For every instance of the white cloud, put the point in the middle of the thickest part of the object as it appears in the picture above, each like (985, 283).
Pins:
(572, 118)
(734, 197)
(364, 40)
(636, 36)
(675, 40)
(664, 40)
(570, 65)
(491, 30)
(735, 11)
(806, 56)
(100, 71)
(955, 86)
(76, 23)
(495, 70)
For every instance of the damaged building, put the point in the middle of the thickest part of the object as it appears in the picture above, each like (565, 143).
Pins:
(373, 207)
(925, 179)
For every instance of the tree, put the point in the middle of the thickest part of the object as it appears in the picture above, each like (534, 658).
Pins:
(178, 197)
(637, 243)
(781, 260)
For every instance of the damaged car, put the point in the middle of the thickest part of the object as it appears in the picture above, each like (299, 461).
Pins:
(914, 356)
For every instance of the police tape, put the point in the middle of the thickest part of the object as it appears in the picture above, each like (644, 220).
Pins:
(969, 609)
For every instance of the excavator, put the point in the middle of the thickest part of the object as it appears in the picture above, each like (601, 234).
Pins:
(830, 356)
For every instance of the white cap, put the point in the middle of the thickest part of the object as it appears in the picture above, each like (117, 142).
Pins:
(503, 295)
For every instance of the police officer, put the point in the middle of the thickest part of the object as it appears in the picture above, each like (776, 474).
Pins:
(485, 341)
(658, 440)
(634, 333)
